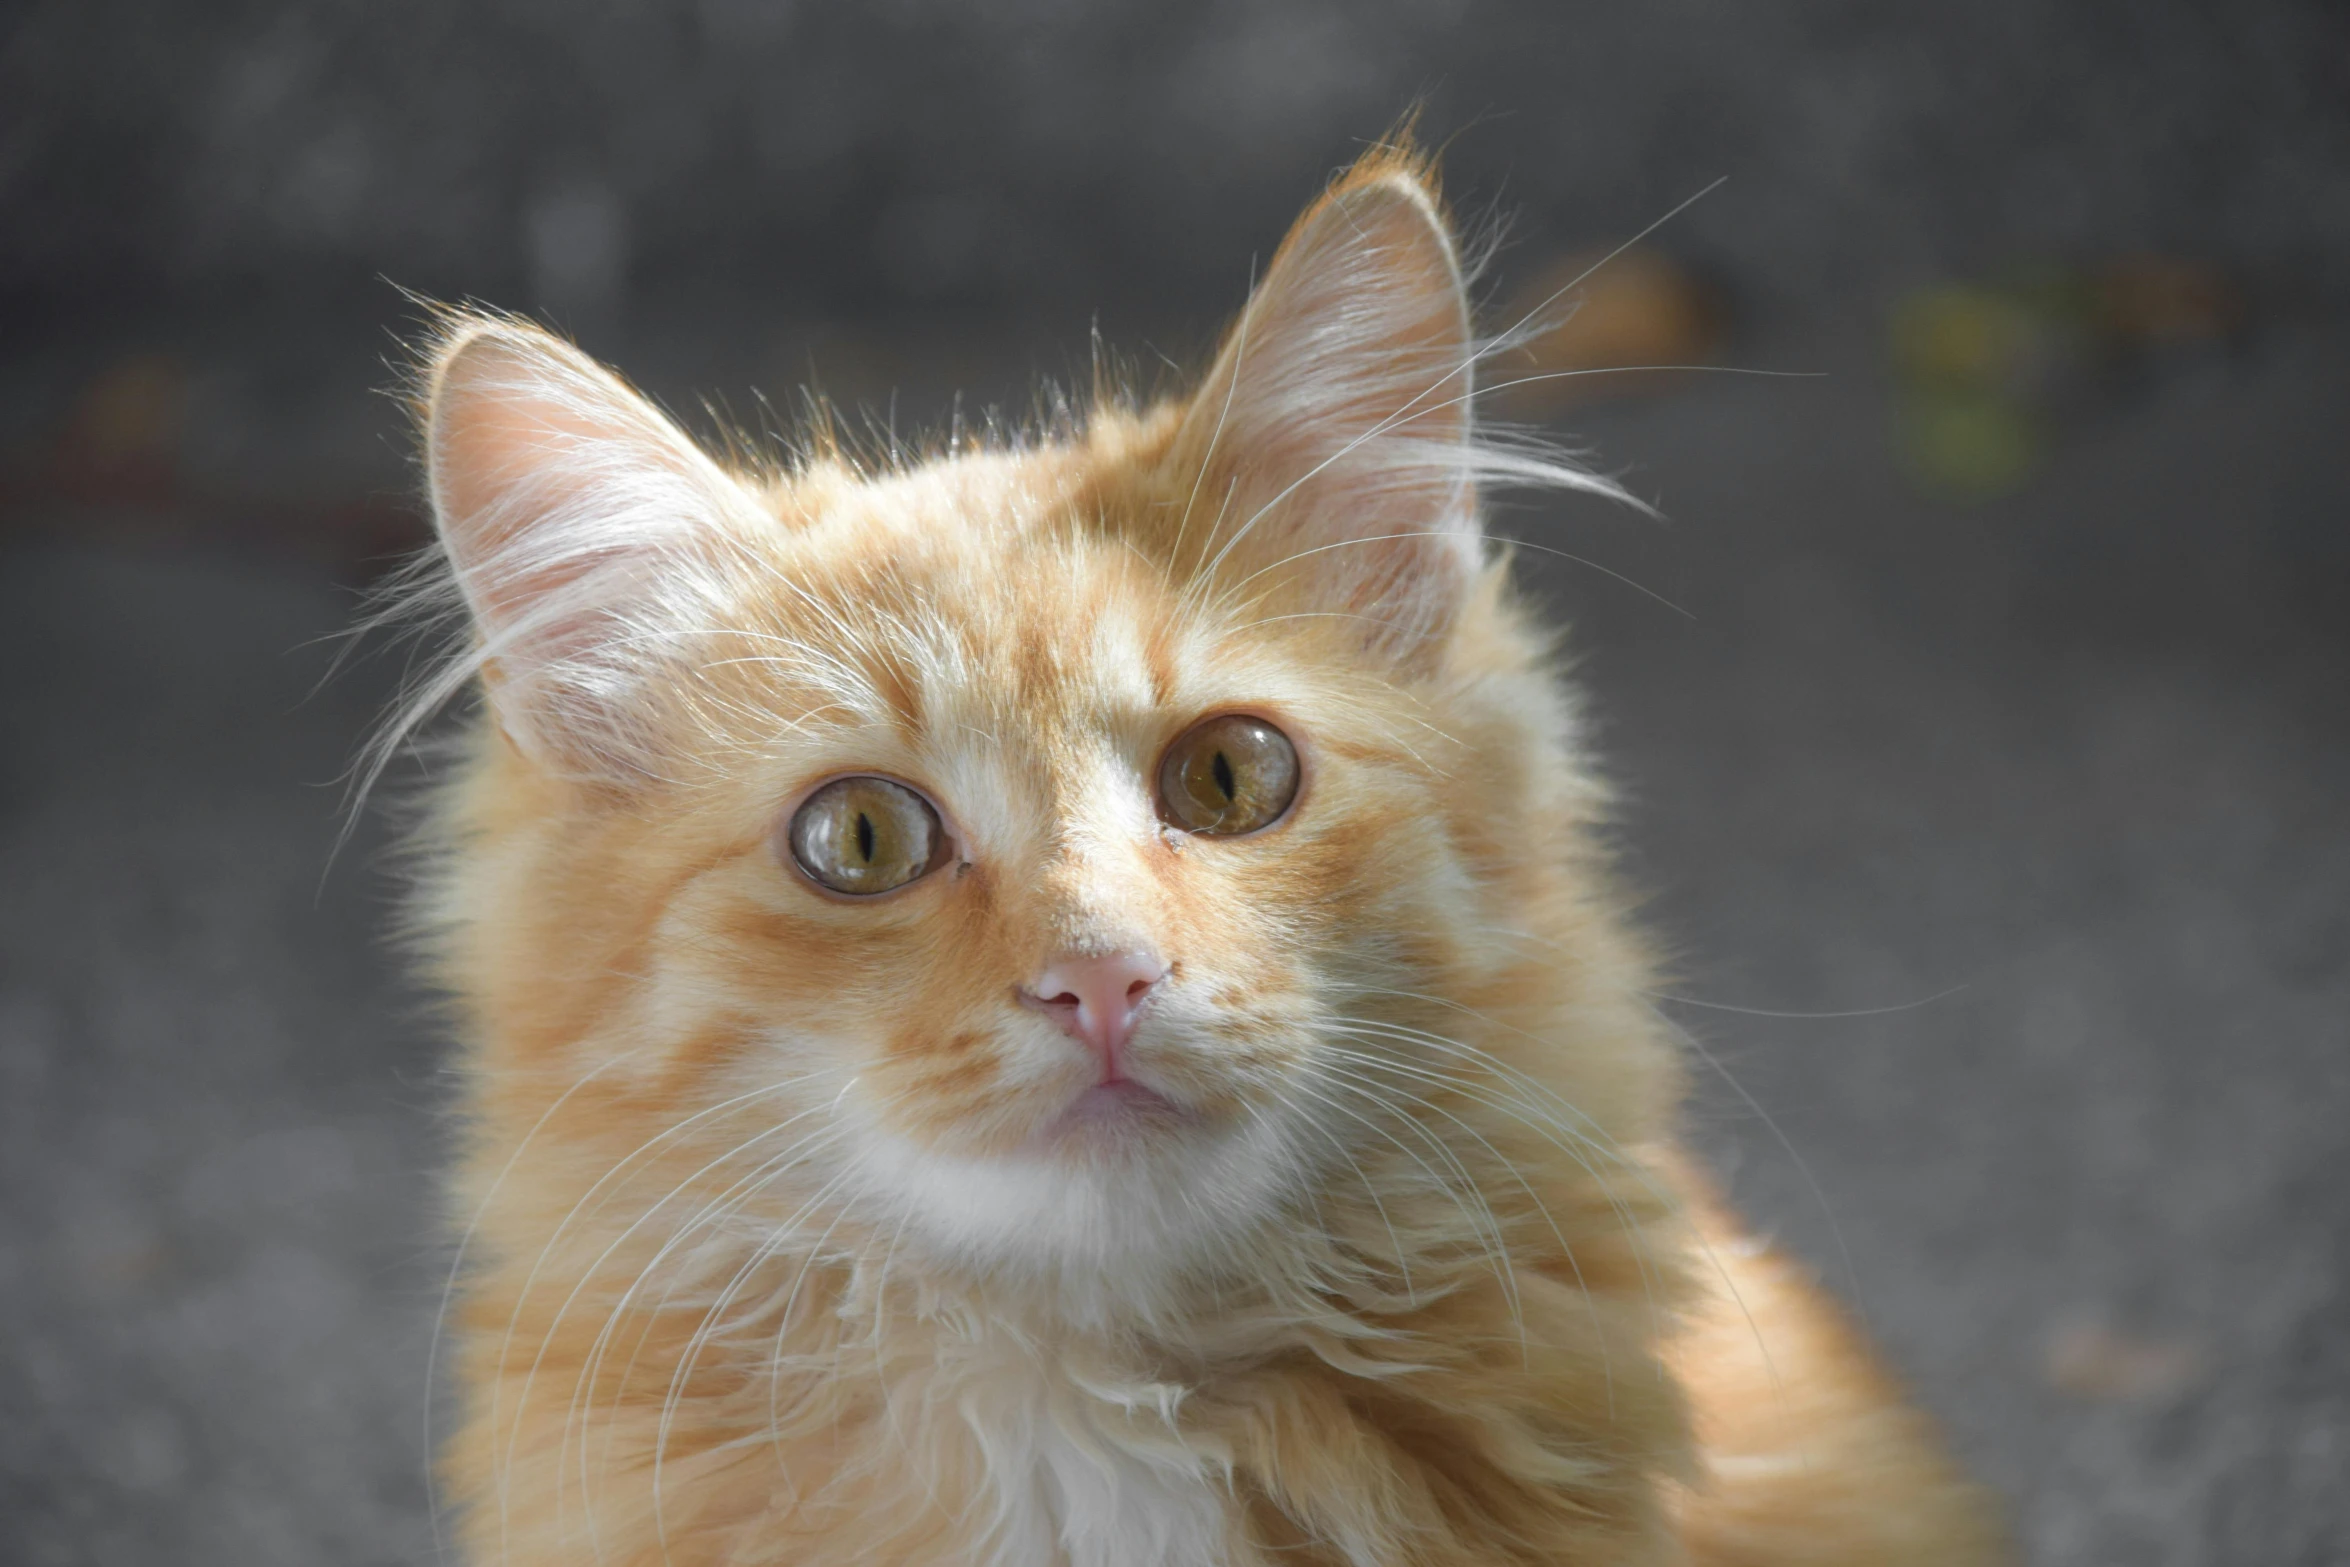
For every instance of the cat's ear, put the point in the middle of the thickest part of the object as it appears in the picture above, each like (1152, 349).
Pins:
(1331, 441)
(589, 536)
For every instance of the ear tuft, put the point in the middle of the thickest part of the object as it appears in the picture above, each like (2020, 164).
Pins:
(587, 534)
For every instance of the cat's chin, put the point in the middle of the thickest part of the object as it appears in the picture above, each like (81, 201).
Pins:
(1123, 1177)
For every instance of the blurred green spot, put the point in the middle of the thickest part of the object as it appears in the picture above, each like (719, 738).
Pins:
(1969, 444)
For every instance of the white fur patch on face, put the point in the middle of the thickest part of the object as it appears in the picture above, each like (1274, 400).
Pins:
(1121, 1225)
(1147, 1215)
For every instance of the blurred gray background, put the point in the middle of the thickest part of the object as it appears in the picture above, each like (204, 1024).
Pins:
(1979, 704)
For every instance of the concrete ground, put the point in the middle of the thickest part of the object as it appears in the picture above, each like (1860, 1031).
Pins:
(2007, 850)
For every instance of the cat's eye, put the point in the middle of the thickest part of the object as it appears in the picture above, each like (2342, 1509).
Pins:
(1231, 774)
(866, 835)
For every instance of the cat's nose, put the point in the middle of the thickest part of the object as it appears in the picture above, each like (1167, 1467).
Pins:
(1095, 1000)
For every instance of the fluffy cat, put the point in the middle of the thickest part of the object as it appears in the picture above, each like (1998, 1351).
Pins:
(1060, 1002)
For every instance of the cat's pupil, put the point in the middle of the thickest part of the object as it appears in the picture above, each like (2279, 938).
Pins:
(1222, 768)
(865, 837)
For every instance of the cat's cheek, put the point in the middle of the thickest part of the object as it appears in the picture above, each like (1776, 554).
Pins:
(1263, 908)
(956, 1105)
(1247, 924)
(1242, 1057)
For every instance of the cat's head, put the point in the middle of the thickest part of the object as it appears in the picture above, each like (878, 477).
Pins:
(1039, 852)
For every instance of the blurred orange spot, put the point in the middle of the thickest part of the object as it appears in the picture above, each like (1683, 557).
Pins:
(121, 438)
(2161, 299)
(2092, 1360)
(1634, 313)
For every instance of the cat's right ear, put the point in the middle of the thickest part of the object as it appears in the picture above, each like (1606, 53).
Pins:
(589, 536)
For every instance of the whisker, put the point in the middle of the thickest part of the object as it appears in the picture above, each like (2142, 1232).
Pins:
(1585, 276)
(1566, 1248)
(1813, 1017)
(457, 1266)
(1208, 457)
(726, 1203)
(1431, 533)
(529, 1281)
(1370, 1189)
(784, 1311)
(673, 1399)
(1616, 1154)
(1483, 1219)
(1577, 1145)
(1787, 1145)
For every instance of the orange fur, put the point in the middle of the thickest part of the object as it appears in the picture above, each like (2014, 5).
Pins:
(777, 1251)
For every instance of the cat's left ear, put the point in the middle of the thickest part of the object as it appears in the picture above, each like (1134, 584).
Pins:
(1331, 442)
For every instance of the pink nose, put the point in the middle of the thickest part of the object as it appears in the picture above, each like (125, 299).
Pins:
(1095, 1000)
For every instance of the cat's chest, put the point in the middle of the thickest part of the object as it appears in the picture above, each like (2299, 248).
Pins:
(1092, 1469)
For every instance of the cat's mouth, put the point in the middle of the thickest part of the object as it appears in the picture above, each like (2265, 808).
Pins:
(1111, 1115)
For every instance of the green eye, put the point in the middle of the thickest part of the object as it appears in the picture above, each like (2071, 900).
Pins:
(1229, 775)
(862, 836)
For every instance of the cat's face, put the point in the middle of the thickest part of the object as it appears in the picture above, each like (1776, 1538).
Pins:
(1050, 834)
(1076, 1020)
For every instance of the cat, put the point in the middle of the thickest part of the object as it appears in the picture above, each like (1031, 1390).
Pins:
(1062, 1001)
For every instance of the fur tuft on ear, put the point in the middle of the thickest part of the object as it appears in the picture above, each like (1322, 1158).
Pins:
(588, 536)
(1336, 455)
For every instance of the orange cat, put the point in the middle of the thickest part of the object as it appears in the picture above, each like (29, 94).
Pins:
(1059, 1003)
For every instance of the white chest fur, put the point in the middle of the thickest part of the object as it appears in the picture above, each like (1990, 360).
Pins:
(1094, 1474)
